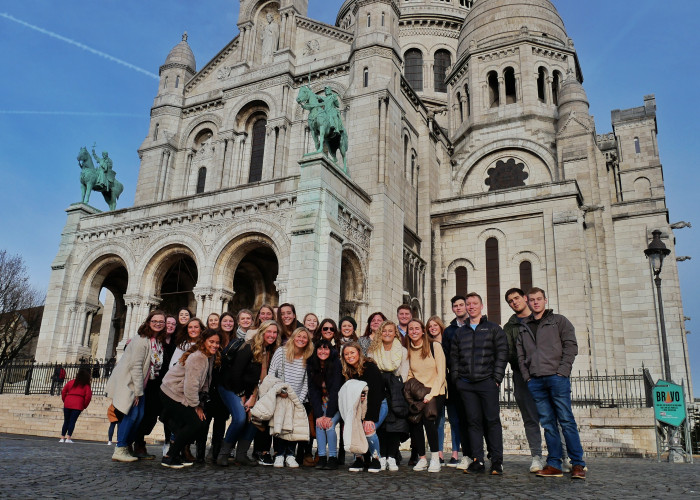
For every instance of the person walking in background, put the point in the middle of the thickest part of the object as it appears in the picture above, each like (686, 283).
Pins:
(59, 375)
(113, 422)
(76, 396)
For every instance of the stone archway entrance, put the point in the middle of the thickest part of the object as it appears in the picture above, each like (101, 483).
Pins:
(352, 285)
(108, 326)
(179, 280)
(254, 280)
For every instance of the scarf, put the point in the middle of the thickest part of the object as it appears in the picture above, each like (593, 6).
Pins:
(240, 333)
(388, 361)
(156, 358)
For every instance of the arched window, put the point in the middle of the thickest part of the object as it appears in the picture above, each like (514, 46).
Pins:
(413, 165)
(637, 147)
(365, 78)
(382, 18)
(155, 132)
(467, 97)
(413, 69)
(461, 281)
(201, 179)
(493, 281)
(405, 155)
(556, 81)
(165, 83)
(509, 77)
(541, 82)
(369, 20)
(461, 109)
(442, 62)
(257, 150)
(492, 79)
(525, 275)
(177, 82)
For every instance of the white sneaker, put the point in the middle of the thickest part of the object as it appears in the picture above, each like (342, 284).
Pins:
(536, 464)
(291, 462)
(464, 463)
(382, 463)
(279, 461)
(434, 463)
(61, 440)
(391, 464)
(421, 465)
(166, 447)
(109, 443)
(68, 440)
(565, 464)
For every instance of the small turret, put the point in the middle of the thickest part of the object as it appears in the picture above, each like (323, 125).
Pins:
(178, 68)
(572, 98)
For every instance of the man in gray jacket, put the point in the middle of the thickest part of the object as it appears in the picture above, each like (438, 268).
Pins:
(546, 351)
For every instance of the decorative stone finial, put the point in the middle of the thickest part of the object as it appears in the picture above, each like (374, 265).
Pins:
(184, 36)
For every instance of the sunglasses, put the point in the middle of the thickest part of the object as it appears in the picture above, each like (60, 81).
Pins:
(328, 328)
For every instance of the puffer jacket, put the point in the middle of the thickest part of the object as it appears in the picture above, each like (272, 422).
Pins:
(549, 351)
(480, 354)
(287, 416)
(414, 391)
(353, 411)
(395, 420)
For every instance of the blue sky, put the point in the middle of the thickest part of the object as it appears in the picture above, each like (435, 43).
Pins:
(79, 72)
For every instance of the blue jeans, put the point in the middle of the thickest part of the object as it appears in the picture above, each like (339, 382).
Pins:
(69, 418)
(129, 425)
(110, 432)
(327, 436)
(453, 417)
(552, 395)
(239, 428)
(373, 440)
(441, 429)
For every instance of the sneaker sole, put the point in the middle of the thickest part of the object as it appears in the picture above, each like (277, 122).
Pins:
(434, 470)
(355, 469)
(550, 475)
(421, 469)
(374, 470)
(124, 461)
(170, 466)
(451, 465)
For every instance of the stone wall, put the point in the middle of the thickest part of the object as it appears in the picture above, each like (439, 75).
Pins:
(613, 432)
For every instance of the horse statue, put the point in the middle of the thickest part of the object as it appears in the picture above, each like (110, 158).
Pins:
(98, 179)
(325, 123)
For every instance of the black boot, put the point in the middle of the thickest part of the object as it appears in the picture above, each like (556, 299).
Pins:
(322, 461)
(332, 464)
(222, 456)
(242, 454)
(201, 452)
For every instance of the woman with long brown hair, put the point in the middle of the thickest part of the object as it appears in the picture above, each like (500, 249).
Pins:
(76, 396)
(373, 323)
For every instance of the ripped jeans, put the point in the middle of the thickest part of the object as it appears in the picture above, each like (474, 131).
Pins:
(373, 439)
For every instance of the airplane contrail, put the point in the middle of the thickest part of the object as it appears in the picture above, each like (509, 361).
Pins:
(78, 44)
(70, 113)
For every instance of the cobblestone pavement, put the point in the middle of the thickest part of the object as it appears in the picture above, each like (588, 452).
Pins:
(33, 467)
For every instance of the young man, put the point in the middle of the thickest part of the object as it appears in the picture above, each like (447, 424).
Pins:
(403, 315)
(478, 358)
(517, 301)
(546, 351)
(455, 408)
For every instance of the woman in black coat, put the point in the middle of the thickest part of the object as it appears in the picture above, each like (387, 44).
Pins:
(325, 379)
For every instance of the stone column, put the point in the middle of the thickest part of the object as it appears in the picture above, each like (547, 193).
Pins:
(501, 91)
(107, 330)
(279, 150)
(548, 90)
(269, 154)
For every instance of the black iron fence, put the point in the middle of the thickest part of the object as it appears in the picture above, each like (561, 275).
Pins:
(27, 377)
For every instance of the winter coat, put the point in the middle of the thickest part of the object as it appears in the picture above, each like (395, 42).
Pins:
(286, 416)
(244, 375)
(183, 383)
(480, 354)
(512, 330)
(414, 392)
(128, 378)
(76, 397)
(334, 381)
(549, 351)
(375, 385)
(397, 405)
(353, 411)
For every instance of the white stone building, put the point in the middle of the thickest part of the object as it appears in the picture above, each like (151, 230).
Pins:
(474, 165)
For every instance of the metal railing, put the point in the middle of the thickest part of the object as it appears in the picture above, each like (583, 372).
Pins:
(28, 377)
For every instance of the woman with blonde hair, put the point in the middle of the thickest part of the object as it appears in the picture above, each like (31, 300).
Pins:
(435, 328)
(289, 365)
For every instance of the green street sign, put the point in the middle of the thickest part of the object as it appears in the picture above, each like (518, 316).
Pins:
(669, 403)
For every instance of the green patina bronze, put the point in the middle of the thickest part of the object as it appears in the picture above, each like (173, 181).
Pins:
(325, 123)
(102, 178)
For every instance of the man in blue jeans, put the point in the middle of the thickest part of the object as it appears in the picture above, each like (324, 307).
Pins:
(546, 351)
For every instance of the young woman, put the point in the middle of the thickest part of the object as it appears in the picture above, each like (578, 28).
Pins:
(435, 328)
(244, 320)
(289, 365)
(189, 335)
(128, 380)
(392, 360)
(180, 393)
(242, 373)
(311, 323)
(356, 366)
(427, 365)
(169, 345)
(329, 331)
(373, 323)
(325, 378)
(183, 317)
(347, 326)
(265, 313)
(287, 319)
(76, 396)
(213, 321)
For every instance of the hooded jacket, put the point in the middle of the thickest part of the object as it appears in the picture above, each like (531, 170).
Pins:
(480, 354)
(333, 380)
(286, 415)
(353, 410)
(548, 349)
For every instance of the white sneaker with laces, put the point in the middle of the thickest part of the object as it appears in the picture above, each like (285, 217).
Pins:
(109, 443)
(434, 463)
(61, 440)
(464, 463)
(565, 464)
(536, 464)
(68, 440)
(279, 461)
(291, 462)
(391, 464)
(382, 463)
(421, 465)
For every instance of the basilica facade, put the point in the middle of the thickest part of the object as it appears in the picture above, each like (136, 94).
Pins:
(473, 165)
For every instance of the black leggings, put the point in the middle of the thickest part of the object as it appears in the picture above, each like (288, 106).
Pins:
(431, 430)
(389, 443)
(184, 422)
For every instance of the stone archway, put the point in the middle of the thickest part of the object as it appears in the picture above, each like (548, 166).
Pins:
(352, 284)
(178, 280)
(254, 279)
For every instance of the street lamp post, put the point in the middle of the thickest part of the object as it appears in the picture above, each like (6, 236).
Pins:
(656, 252)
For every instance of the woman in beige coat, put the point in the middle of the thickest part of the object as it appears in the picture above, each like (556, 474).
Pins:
(128, 380)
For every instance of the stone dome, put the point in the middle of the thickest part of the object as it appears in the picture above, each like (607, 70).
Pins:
(182, 54)
(492, 22)
(572, 94)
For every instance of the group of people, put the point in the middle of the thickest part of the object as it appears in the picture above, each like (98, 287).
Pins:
(280, 383)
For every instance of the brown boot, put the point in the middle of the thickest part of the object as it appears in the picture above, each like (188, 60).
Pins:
(578, 472)
(550, 471)
(141, 452)
(187, 454)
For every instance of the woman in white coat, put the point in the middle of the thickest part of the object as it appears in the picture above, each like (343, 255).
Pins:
(128, 380)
